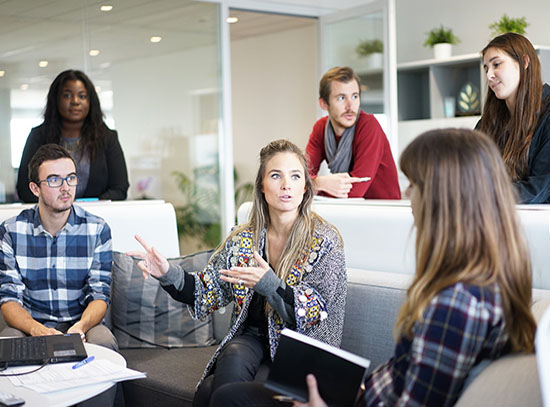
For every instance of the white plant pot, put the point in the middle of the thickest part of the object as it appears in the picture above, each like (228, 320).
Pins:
(442, 50)
(375, 61)
(369, 62)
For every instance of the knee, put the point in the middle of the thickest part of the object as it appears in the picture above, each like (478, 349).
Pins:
(9, 332)
(101, 335)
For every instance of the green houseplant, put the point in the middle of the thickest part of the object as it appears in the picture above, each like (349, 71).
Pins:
(369, 54)
(508, 25)
(441, 35)
(368, 47)
(199, 218)
(441, 40)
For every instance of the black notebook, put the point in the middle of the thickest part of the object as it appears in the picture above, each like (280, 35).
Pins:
(339, 373)
(35, 350)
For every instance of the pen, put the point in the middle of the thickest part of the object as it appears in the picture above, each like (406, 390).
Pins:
(87, 199)
(363, 179)
(83, 362)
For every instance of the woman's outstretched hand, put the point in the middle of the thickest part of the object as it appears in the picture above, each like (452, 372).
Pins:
(247, 276)
(152, 262)
(315, 399)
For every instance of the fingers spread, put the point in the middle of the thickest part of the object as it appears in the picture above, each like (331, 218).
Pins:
(139, 255)
(142, 242)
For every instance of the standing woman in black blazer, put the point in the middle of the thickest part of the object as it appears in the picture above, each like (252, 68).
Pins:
(74, 120)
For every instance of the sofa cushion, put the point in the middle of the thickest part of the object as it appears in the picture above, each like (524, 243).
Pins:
(172, 375)
(372, 304)
(509, 381)
(143, 315)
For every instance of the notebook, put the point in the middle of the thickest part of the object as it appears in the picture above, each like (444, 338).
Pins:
(35, 350)
(339, 373)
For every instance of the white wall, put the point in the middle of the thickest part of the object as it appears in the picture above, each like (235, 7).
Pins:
(274, 93)
(469, 20)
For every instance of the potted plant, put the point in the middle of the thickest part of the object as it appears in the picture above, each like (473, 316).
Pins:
(370, 51)
(508, 25)
(441, 40)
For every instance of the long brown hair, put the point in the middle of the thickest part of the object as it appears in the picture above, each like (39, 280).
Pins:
(302, 230)
(513, 133)
(467, 228)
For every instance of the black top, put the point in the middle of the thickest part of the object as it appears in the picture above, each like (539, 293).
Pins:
(535, 187)
(108, 174)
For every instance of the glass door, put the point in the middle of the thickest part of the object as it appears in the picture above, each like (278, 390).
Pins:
(364, 39)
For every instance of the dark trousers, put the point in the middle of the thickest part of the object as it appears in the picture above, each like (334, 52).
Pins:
(239, 361)
(250, 394)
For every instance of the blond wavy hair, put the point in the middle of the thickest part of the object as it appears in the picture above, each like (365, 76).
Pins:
(467, 228)
(301, 234)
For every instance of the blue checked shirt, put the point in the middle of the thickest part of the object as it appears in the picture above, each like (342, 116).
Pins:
(55, 278)
(462, 325)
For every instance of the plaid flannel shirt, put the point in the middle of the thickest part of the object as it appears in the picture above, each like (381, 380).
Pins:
(462, 325)
(54, 278)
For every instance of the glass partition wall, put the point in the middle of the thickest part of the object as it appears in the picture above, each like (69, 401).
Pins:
(156, 67)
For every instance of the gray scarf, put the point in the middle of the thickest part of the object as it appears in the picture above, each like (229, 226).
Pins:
(339, 158)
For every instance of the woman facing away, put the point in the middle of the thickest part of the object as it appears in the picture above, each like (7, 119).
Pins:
(516, 114)
(284, 268)
(73, 119)
(470, 297)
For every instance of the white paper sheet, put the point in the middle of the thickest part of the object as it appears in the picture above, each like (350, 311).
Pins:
(62, 376)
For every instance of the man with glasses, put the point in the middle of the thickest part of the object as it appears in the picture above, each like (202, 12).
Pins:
(55, 259)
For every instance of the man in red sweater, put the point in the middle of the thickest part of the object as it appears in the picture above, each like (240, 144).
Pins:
(352, 142)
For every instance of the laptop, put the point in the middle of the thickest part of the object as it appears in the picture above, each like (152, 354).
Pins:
(36, 350)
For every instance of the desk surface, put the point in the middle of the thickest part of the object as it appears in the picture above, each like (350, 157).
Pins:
(67, 397)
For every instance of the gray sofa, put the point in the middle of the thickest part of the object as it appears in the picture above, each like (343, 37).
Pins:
(372, 304)
(380, 259)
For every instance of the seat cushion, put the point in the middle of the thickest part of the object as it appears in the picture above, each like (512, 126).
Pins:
(171, 375)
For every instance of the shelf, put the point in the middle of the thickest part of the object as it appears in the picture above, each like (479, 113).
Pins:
(455, 59)
(424, 85)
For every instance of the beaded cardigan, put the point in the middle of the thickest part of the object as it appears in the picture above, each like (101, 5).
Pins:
(318, 280)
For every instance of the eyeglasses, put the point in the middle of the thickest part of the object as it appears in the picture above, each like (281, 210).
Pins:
(56, 182)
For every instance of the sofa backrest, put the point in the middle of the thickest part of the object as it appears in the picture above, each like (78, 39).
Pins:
(154, 220)
(379, 235)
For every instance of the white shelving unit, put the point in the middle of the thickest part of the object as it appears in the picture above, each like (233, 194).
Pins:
(423, 85)
(372, 92)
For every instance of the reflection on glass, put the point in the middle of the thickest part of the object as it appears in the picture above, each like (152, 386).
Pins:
(359, 43)
(162, 97)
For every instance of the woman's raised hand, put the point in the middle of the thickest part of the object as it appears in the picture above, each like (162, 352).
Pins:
(247, 276)
(152, 262)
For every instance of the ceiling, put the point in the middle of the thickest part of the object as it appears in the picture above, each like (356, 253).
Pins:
(63, 31)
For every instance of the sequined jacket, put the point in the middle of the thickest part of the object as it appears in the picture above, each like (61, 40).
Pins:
(318, 279)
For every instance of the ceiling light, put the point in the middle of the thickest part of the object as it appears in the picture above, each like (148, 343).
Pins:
(97, 89)
(105, 65)
(43, 64)
(156, 38)
(2, 73)
(232, 20)
(25, 86)
(106, 7)
(94, 52)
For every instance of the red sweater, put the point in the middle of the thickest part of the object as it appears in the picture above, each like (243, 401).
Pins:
(371, 157)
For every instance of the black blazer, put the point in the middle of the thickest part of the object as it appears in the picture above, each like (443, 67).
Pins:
(108, 173)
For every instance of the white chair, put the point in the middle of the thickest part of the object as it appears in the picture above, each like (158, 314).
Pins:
(542, 342)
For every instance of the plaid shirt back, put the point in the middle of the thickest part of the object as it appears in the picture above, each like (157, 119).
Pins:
(54, 278)
(462, 325)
